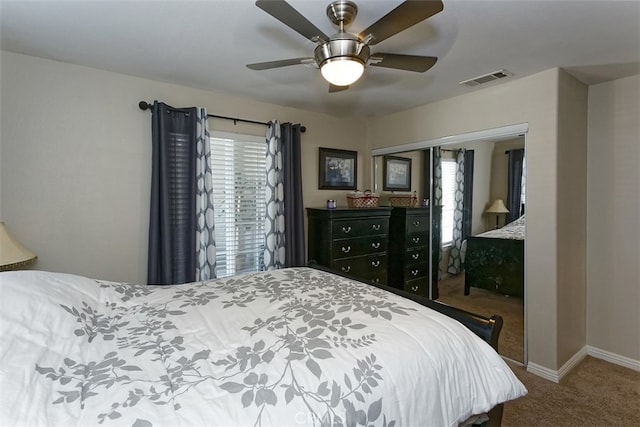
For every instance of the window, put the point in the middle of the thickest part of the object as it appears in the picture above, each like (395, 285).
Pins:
(238, 163)
(448, 199)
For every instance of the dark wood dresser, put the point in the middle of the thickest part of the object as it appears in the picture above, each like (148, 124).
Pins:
(409, 250)
(353, 241)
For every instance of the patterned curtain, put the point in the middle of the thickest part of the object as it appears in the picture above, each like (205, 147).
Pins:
(205, 228)
(274, 251)
(454, 266)
(437, 176)
(437, 196)
(284, 223)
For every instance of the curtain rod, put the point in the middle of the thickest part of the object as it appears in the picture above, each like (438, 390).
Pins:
(146, 106)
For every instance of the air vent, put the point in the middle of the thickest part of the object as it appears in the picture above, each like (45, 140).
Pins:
(486, 78)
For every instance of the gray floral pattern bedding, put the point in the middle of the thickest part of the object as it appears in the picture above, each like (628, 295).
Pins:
(288, 347)
(512, 231)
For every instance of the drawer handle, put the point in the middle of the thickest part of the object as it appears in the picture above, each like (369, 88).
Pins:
(376, 227)
(415, 272)
(416, 223)
(375, 263)
(346, 250)
(346, 269)
(346, 230)
(375, 245)
(376, 280)
(415, 256)
(416, 240)
(414, 288)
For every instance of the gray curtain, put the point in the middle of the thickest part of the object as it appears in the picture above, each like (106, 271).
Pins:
(175, 238)
(467, 214)
(293, 206)
(514, 184)
(284, 222)
(454, 265)
(172, 219)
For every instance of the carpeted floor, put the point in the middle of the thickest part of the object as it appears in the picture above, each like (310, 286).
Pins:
(595, 393)
(487, 303)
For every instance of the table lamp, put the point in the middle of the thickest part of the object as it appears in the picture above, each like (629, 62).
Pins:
(12, 254)
(498, 208)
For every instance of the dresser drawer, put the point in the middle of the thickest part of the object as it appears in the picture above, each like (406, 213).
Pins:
(346, 229)
(361, 266)
(416, 271)
(416, 255)
(416, 224)
(418, 286)
(417, 239)
(347, 248)
(377, 276)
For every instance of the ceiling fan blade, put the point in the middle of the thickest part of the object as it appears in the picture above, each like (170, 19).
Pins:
(277, 64)
(419, 64)
(402, 17)
(285, 13)
(334, 88)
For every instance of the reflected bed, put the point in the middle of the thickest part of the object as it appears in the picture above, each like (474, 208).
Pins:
(495, 260)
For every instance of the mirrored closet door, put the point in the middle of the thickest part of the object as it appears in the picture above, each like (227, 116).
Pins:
(475, 192)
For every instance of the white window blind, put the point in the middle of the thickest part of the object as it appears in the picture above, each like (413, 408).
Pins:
(448, 199)
(238, 164)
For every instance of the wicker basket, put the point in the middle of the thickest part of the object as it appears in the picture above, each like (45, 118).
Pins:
(358, 199)
(403, 200)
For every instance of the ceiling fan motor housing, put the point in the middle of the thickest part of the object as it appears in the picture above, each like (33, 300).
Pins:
(341, 46)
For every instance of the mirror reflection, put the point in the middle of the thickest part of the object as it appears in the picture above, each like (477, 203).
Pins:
(476, 197)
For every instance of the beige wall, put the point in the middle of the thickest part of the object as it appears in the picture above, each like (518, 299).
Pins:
(75, 172)
(613, 219)
(571, 211)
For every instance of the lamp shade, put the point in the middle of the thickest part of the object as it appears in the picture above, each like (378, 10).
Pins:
(12, 253)
(497, 207)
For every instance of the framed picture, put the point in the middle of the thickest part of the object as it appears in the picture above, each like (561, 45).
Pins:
(338, 169)
(396, 174)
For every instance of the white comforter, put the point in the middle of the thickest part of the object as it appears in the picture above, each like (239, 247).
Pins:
(514, 231)
(289, 347)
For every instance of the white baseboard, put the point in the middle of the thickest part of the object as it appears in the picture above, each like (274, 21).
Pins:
(616, 359)
(541, 371)
(556, 376)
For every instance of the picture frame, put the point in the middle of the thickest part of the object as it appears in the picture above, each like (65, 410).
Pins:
(338, 169)
(396, 173)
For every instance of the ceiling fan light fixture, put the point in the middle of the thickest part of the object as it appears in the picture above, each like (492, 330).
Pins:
(342, 71)
(342, 59)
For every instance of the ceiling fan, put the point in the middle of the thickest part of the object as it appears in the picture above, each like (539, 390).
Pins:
(343, 56)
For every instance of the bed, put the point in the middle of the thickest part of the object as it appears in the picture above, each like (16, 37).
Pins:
(495, 260)
(297, 346)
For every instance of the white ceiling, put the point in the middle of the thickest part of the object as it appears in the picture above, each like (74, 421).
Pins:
(205, 44)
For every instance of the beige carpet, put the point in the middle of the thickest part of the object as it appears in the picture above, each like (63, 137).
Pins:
(595, 393)
(487, 303)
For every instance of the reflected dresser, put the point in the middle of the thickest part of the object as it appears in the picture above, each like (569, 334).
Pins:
(409, 250)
